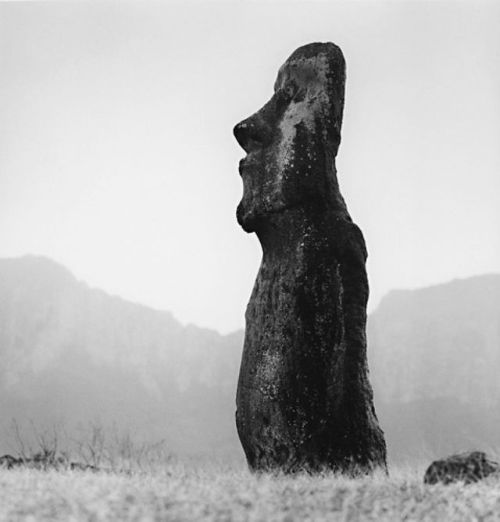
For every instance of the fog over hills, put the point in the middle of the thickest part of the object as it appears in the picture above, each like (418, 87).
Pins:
(75, 355)
(434, 355)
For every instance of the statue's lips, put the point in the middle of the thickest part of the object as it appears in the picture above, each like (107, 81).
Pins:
(249, 162)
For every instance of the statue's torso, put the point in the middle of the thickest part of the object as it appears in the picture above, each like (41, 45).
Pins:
(295, 346)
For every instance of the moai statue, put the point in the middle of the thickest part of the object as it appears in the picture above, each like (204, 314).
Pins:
(304, 401)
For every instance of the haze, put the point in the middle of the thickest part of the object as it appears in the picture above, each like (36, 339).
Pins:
(117, 157)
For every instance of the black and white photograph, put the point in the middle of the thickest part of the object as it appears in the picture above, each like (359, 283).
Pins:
(249, 260)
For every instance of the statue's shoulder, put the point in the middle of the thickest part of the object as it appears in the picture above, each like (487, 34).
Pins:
(357, 236)
(350, 240)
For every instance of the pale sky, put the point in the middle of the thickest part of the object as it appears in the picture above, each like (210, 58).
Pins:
(117, 157)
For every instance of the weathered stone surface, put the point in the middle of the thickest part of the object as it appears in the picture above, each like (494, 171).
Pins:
(466, 467)
(304, 400)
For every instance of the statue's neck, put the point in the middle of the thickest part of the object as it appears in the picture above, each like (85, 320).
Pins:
(291, 232)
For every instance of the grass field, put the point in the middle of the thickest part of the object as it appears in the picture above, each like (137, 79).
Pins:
(212, 492)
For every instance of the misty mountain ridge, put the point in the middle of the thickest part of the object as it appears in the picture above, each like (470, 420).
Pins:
(77, 354)
(448, 333)
(434, 356)
(45, 311)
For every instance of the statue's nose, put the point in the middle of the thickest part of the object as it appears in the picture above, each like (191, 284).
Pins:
(252, 133)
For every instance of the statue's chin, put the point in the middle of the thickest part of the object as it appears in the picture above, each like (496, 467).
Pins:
(252, 218)
(246, 219)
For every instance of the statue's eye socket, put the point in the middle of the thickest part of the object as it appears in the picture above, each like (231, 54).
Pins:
(289, 91)
(286, 94)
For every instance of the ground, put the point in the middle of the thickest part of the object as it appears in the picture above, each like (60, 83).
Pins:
(217, 493)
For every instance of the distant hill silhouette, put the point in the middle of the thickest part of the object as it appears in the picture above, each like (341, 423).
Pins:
(434, 356)
(76, 354)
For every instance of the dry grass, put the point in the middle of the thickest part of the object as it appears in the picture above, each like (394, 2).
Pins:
(213, 493)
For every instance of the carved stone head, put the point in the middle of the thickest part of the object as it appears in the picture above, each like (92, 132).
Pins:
(292, 141)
